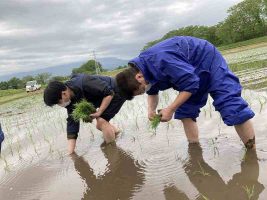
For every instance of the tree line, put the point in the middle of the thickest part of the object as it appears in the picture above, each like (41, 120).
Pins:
(246, 20)
(17, 83)
(43, 78)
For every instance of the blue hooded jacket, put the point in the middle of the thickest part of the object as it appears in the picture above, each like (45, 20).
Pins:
(175, 63)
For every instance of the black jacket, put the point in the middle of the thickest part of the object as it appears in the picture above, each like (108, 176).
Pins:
(93, 88)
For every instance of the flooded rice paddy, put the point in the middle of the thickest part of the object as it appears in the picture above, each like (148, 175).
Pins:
(142, 165)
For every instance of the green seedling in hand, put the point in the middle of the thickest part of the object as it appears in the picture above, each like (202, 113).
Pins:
(155, 121)
(82, 111)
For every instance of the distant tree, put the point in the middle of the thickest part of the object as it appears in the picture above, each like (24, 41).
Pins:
(43, 78)
(122, 67)
(204, 32)
(246, 20)
(15, 83)
(59, 78)
(25, 79)
(4, 85)
(88, 67)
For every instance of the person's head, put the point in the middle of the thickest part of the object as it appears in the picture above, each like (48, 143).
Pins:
(131, 82)
(57, 93)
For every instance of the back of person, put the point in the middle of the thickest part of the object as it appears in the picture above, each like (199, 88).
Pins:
(185, 48)
(91, 87)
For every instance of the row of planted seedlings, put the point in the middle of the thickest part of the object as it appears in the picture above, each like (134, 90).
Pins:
(248, 55)
(37, 125)
(30, 128)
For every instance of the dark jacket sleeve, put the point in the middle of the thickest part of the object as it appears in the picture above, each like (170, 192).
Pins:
(153, 91)
(94, 86)
(73, 127)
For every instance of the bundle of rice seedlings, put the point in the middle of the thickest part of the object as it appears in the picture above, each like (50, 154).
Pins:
(82, 111)
(155, 122)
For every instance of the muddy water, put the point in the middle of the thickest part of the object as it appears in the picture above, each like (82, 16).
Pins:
(142, 165)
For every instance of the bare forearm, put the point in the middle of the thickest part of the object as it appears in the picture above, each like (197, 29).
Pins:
(180, 99)
(152, 101)
(105, 103)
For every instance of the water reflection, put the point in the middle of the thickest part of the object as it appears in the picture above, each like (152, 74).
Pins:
(172, 192)
(121, 181)
(209, 183)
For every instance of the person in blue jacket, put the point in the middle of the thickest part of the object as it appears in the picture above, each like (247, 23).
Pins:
(195, 68)
(2, 137)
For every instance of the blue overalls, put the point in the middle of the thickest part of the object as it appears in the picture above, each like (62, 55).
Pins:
(194, 65)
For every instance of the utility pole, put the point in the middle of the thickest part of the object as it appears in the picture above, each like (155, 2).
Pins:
(97, 69)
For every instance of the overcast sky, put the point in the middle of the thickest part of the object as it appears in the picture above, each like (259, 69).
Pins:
(36, 34)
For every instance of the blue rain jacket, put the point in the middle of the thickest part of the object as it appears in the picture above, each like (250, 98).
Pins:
(194, 65)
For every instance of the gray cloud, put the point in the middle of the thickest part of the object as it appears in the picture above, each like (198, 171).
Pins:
(36, 34)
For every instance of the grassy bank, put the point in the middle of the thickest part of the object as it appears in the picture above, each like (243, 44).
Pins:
(4, 93)
(13, 94)
(251, 65)
(244, 43)
(112, 73)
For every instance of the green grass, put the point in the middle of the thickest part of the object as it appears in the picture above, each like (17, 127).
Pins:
(4, 93)
(13, 94)
(243, 43)
(112, 73)
(82, 111)
(251, 65)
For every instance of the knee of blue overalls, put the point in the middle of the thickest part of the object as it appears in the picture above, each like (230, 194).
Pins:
(226, 93)
(187, 111)
(234, 110)
(191, 108)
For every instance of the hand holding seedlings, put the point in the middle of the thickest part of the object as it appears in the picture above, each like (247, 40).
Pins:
(96, 114)
(166, 114)
(151, 115)
(83, 110)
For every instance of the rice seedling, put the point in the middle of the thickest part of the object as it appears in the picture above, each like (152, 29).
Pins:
(155, 122)
(249, 191)
(201, 171)
(60, 154)
(244, 155)
(18, 149)
(7, 168)
(10, 144)
(82, 111)
(212, 144)
(136, 123)
(262, 100)
(169, 125)
(204, 197)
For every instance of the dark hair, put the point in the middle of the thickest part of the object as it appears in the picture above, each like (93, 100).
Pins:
(126, 81)
(52, 93)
